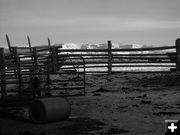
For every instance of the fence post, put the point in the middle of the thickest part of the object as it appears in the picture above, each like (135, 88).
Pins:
(18, 65)
(2, 73)
(109, 57)
(178, 55)
(54, 59)
(29, 43)
(35, 58)
(9, 43)
(49, 42)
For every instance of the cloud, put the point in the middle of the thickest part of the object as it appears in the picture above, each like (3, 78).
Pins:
(94, 23)
(91, 19)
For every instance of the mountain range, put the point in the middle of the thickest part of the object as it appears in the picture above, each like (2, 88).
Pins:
(101, 46)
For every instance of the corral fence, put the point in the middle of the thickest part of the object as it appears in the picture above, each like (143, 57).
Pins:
(31, 73)
(107, 61)
(20, 64)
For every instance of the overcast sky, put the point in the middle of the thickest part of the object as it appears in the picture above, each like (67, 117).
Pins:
(151, 22)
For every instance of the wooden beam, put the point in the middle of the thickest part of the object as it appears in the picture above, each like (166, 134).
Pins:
(135, 65)
(83, 50)
(18, 71)
(178, 55)
(83, 55)
(35, 58)
(54, 59)
(149, 54)
(109, 57)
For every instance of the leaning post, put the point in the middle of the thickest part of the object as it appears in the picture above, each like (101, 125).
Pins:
(49, 42)
(109, 57)
(29, 43)
(178, 55)
(9, 43)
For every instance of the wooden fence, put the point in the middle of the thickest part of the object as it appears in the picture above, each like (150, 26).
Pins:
(20, 63)
(165, 59)
(102, 60)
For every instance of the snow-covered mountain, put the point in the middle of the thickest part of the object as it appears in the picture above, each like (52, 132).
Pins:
(114, 46)
(101, 46)
(71, 46)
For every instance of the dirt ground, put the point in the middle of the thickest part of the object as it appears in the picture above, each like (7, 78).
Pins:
(126, 104)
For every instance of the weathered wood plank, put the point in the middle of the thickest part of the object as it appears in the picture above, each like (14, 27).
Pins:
(83, 50)
(142, 58)
(18, 65)
(86, 58)
(143, 65)
(109, 57)
(83, 55)
(149, 54)
(178, 55)
(143, 62)
(86, 66)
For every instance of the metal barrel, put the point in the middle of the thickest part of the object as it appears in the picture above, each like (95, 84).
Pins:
(49, 110)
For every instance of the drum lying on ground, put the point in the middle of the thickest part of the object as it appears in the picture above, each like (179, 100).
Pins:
(49, 109)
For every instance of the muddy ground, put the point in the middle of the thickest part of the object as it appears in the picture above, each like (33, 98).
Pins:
(125, 104)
